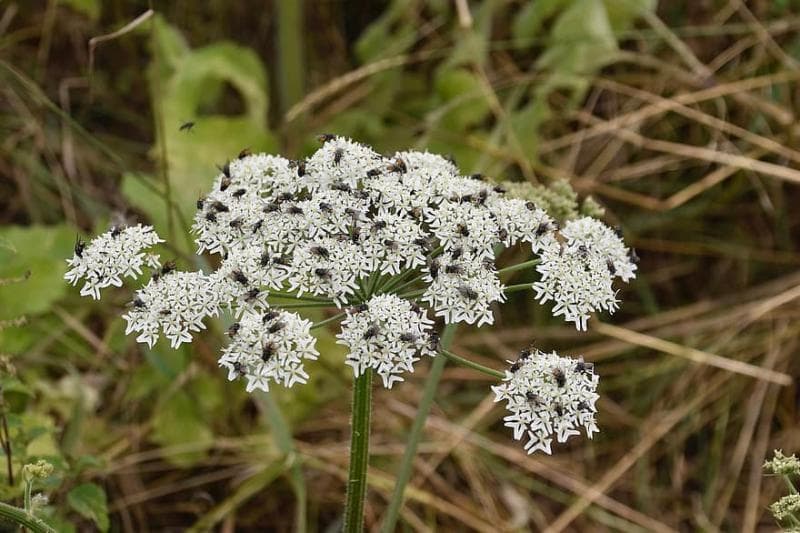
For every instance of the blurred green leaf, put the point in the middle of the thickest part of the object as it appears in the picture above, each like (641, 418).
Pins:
(90, 8)
(43, 251)
(178, 420)
(529, 21)
(462, 91)
(89, 500)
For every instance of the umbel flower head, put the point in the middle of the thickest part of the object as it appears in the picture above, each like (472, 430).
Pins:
(548, 396)
(380, 237)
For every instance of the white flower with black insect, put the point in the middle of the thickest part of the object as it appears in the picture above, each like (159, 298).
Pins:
(269, 346)
(109, 257)
(548, 396)
(387, 334)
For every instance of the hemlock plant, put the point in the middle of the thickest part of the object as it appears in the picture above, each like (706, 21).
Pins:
(394, 243)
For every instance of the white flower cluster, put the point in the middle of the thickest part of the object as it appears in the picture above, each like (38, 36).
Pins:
(387, 334)
(173, 302)
(376, 235)
(577, 274)
(111, 256)
(548, 395)
(269, 346)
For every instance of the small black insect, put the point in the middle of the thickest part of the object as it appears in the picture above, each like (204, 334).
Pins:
(201, 202)
(238, 193)
(482, 197)
(542, 228)
(282, 260)
(416, 308)
(295, 210)
(116, 231)
(301, 169)
(271, 207)
(457, 253)
(257, 226)
(633, 256)
(559, 376)
(477, 176)
(341, 186)
(264, 261)
(238, 368)
(618, 231)
(355, 214)
(325, 207)
(276, 327)
(80, 245)
(211, 217)
(533, 398)
(355, 234)
(371, 332)
(502, 234)
(559, 409)
(454, 268)
(323, 273)
(219, 207)
(379, 225)
(407, 337)
(525, 353)
(416, 212)
(487, 264)
(236, 223)
(138, 303)
(284, 197)
(165, 312)
(338, 154)
(433, 342)
(268, 350)
(433, 268)
(583, 251)
(584, 368)
(516, 365)
(499, 189)
(462, 230)
(252, 294)
(423, 243)
(611, 268)
(168, 267)
(398, 165)
(325, 137)
(372, 173)
(530, 206)
(362, 194)
(268, 316)
(187, 126)
(390, 244)
(467, 292)
(239, 277)
(467, 198)
(233, 330)
(583, 406)
(320, 251)
(244, 153)
(361, 308)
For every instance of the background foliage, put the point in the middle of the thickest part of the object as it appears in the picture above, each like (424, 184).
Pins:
(678, 118)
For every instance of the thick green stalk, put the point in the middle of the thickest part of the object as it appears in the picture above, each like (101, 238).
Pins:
(24, 519)
(406, 465)
(359, 453)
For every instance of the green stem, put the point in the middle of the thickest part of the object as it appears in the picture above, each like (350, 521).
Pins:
(473, 365)
(519, 266)
(327, 321)
(414, 436)
(517, 288)
(359, 454)
(24, 519)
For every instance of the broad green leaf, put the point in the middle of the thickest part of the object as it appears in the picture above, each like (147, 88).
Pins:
(582, 40)
(42, 250)
(622, 15)
(463, 97)
(529, 21)
(89, 500)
